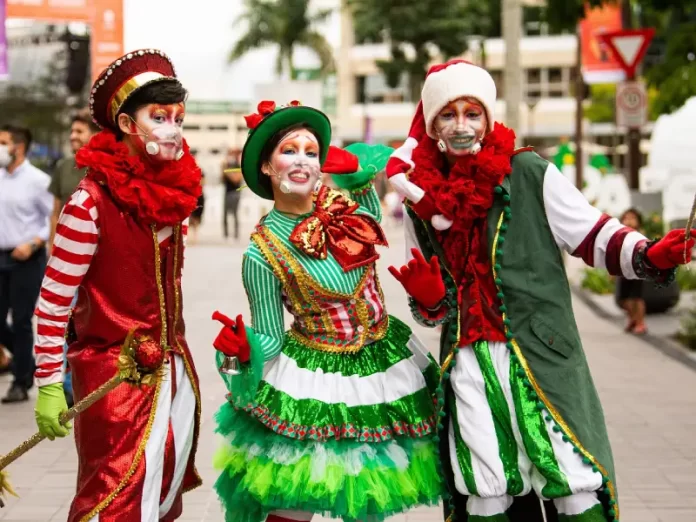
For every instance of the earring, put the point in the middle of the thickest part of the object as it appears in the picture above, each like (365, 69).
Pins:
(441, 145)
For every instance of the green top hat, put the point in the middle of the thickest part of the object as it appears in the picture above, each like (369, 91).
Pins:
(266, 124)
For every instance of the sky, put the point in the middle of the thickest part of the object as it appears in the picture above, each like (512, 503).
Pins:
(198, 35)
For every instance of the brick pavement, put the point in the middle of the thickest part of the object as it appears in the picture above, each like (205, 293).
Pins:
(649, 401)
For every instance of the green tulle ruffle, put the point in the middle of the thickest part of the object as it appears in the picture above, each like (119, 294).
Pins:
(413, 415)
(264, 472)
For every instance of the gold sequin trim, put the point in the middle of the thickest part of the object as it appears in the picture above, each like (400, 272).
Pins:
(178, 247)
(124, 92)
(160, 289)
(306, 282)
(136, 460)
(279, 272)
(555, 414)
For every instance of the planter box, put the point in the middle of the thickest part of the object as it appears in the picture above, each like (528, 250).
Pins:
(657, 300)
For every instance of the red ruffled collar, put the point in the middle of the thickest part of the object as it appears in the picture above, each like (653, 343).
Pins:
(161, 195)
(466, 191)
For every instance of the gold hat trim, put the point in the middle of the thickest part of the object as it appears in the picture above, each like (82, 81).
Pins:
(128, 88)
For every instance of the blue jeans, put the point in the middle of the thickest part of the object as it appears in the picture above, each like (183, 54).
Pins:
(67, 378)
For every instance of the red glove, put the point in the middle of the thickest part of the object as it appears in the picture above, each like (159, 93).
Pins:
(668, 252)
(426, 208)
(232, 339)
(422, 280)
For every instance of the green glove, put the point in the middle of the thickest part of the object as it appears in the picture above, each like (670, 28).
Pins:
(50, 404)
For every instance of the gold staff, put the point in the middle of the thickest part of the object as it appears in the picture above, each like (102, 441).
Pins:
(128, 371)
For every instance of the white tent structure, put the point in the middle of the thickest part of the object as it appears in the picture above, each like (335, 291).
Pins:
(671, 167)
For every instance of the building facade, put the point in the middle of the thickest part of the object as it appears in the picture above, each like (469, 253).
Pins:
(368, 106)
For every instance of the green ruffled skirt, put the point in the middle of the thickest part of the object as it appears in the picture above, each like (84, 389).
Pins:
(346, 436)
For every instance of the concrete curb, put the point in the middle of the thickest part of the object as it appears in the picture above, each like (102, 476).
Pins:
(665, 345)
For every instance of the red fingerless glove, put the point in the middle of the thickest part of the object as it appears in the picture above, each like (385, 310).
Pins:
(422, 280)
(232, 339)
(668, 252)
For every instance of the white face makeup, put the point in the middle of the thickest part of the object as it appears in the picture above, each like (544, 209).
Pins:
(294, 166)
(159, 129)
(461, 125)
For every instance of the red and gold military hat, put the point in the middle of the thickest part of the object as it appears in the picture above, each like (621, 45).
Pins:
(120, 80)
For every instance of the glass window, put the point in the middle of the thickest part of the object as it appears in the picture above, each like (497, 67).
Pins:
(374, 89)
(533, 76)
(555, 75)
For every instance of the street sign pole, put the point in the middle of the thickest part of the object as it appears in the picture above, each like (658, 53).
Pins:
(630, 46)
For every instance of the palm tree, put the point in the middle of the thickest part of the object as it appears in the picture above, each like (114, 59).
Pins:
(286, 24)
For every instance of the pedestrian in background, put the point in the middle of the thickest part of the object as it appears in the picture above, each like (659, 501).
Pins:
(25, 210)
(630, 291)
(232, 179)
(65, 179)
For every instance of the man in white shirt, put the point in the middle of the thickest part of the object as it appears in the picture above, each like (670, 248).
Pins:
(25, 210)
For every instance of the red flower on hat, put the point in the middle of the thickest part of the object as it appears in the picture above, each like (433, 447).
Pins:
(252, 120)
(295, 103)
(266, 107)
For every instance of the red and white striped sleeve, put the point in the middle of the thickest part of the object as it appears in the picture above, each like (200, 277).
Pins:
(77, 234)
(584, 231)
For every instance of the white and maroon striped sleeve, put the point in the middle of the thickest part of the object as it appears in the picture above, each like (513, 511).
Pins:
(583, 231)
(75, 242)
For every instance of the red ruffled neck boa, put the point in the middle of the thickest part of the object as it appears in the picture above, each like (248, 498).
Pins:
(464, 192)
(162, 195)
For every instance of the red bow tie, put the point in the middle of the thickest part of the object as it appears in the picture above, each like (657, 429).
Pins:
(334, 226)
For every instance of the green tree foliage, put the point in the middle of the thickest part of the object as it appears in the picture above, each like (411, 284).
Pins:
(675, 78)
(564, 15)
(602, 108)
(430, 28)
(286, 24)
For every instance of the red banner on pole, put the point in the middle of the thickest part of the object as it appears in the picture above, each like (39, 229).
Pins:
(105, 18)
(107, 34)
(599, 65)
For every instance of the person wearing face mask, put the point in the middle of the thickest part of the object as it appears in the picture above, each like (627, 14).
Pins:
(336, 415)
(523, 414)
(119, 245)
(25, 206)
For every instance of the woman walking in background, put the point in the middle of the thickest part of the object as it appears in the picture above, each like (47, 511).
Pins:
(232, 179)
(630, 291)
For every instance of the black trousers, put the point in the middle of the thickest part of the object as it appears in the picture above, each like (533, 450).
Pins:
(231, 206)
(20, 284)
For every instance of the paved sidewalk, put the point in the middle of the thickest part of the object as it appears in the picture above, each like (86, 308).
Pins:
(649, 402)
